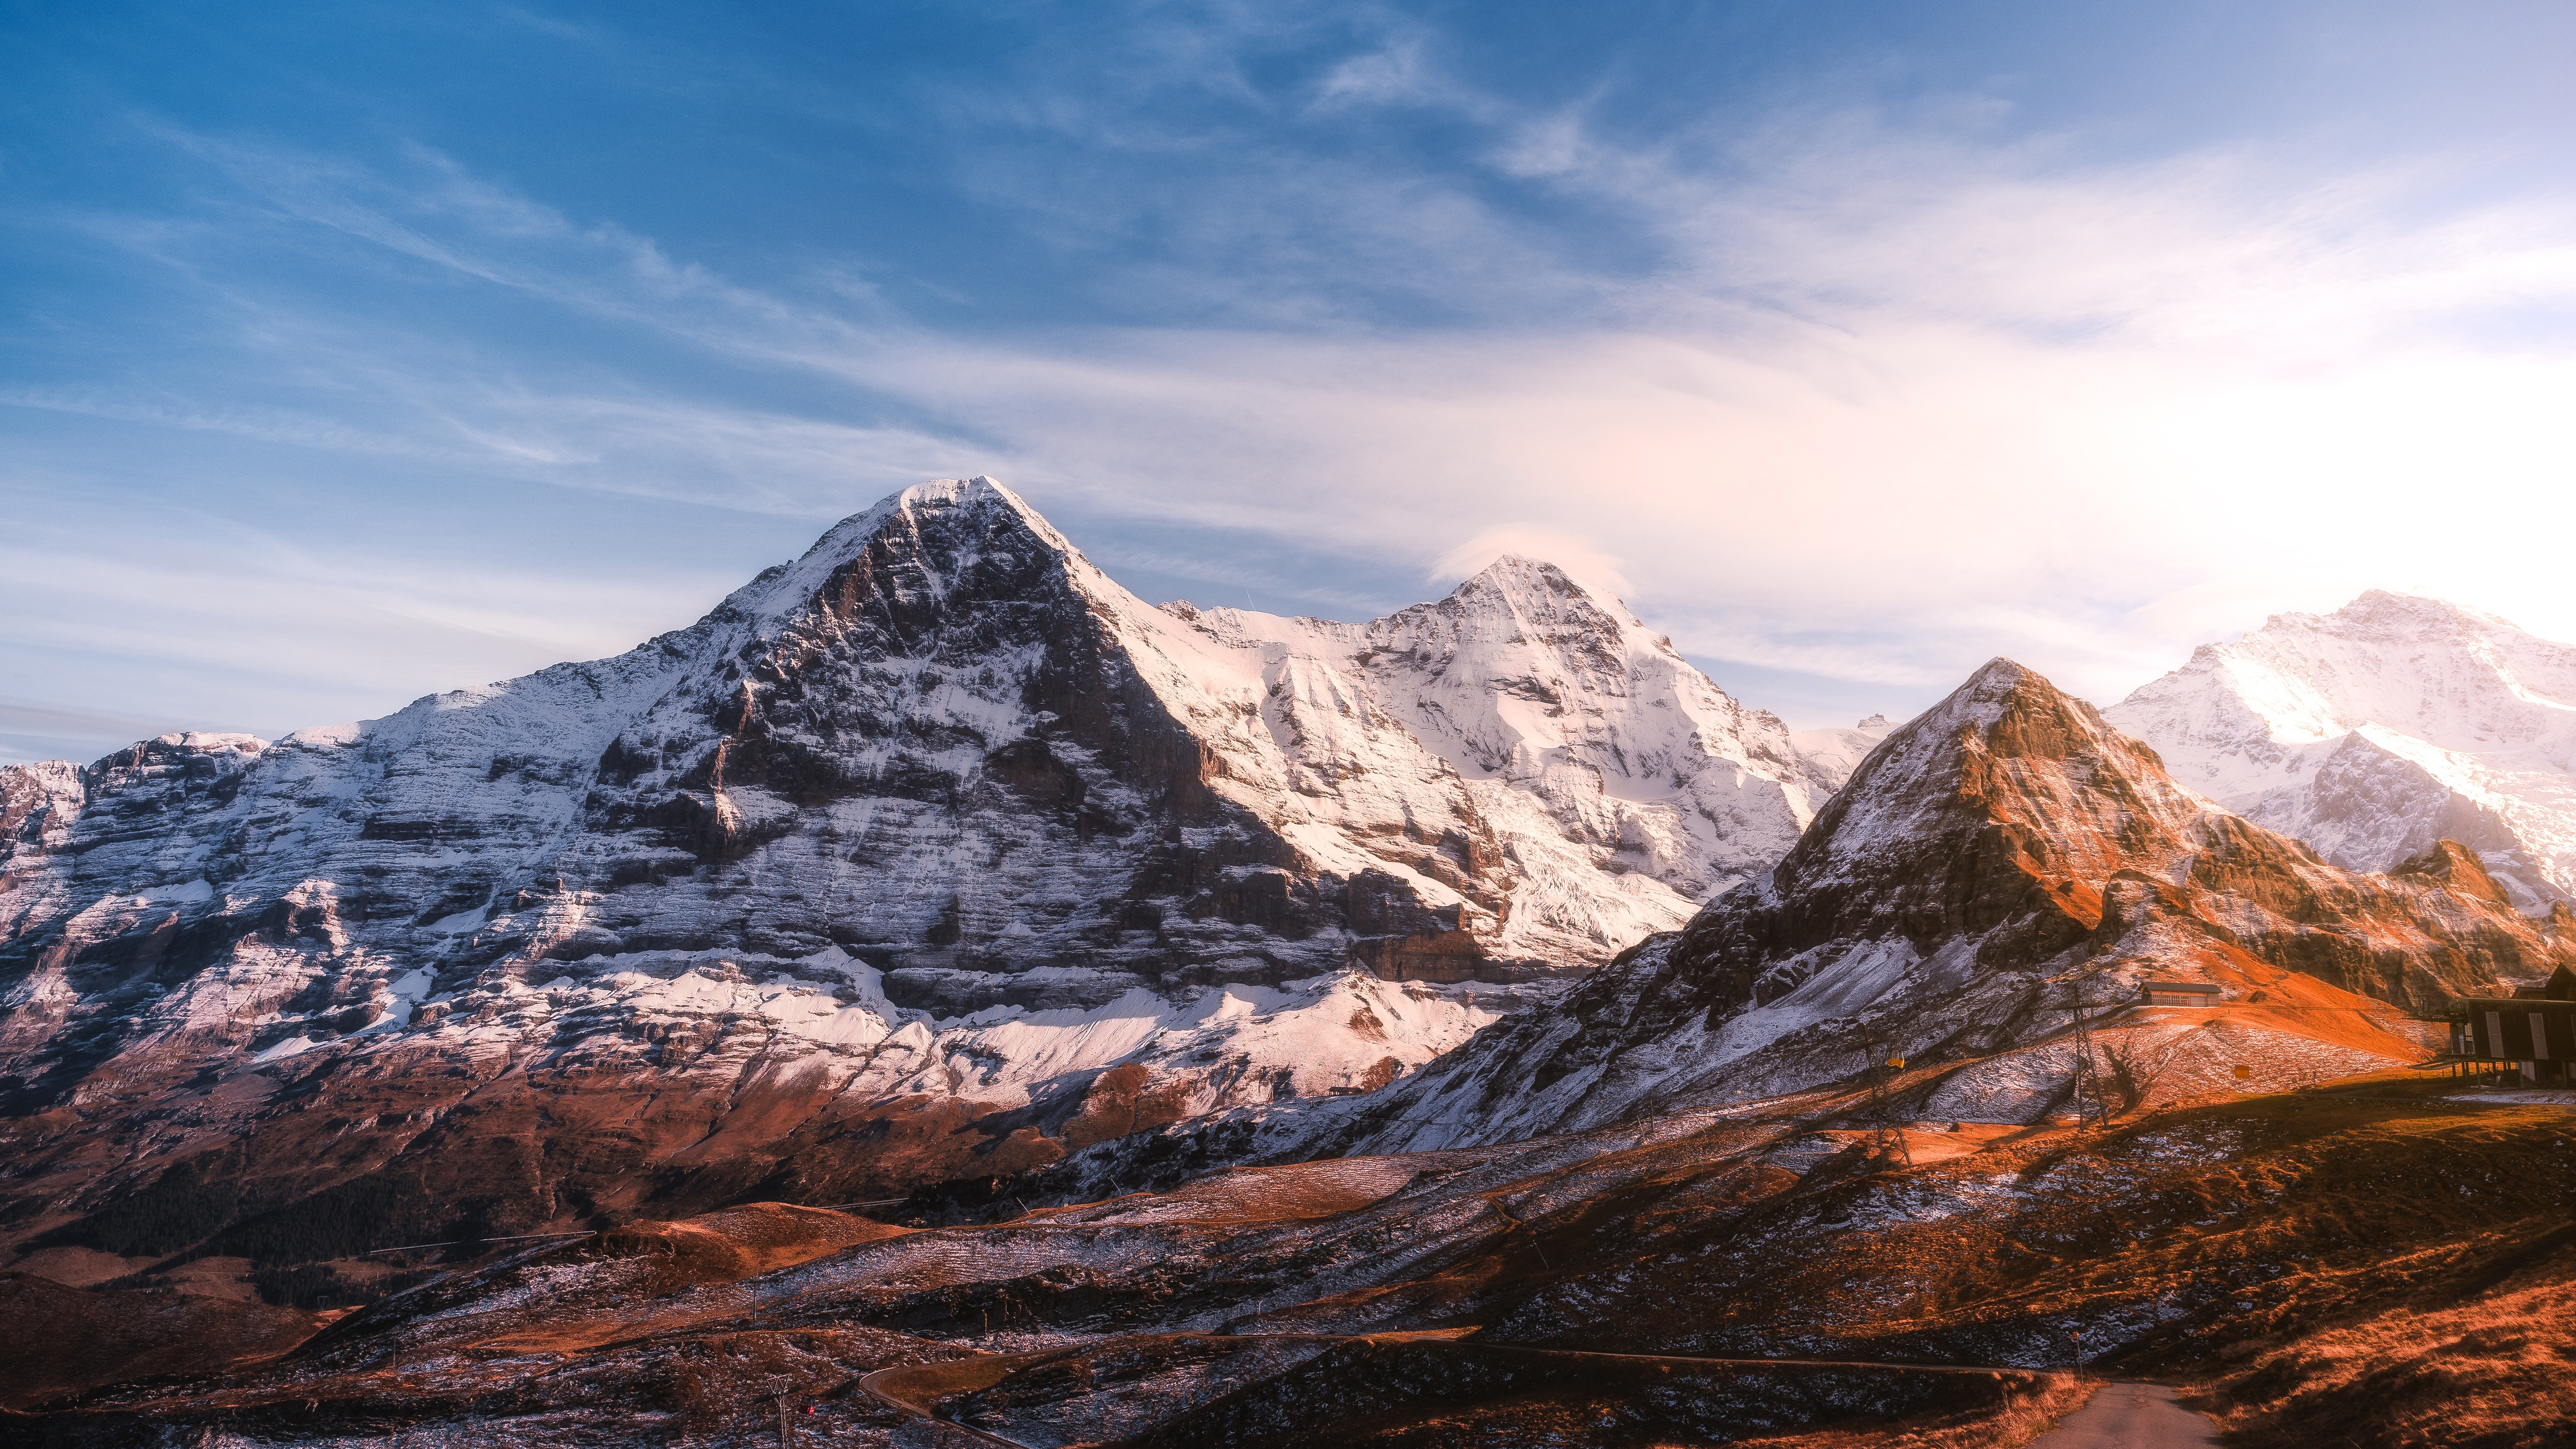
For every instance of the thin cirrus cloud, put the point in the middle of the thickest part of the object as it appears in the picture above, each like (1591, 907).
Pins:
(1843, 404)
(1809, 424)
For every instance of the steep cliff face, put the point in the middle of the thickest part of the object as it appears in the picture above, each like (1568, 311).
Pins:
(926, 853)
(1997, 856)
(2373, 731)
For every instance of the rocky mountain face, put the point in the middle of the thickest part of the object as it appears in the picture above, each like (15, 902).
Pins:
(1555, 731)
(1991, 864)
(2373, 731)
(932, 852)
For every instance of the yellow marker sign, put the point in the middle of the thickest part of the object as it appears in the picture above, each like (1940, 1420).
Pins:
(2244, 1074)
(1896, 1061)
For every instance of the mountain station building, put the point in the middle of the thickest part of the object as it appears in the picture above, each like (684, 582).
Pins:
(2534, 1028)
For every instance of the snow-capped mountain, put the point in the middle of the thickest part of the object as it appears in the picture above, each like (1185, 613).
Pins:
(2377, 729)
(1836, 753)
(873, 875)
(1996, 855)
(1552, 728)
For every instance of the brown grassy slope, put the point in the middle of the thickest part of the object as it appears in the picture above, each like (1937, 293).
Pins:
(2495, 1372)
(2198, 1242)
(2220, 1244)
(641, 1330)
(614, 1285)
(736, 1243)
(56, 1339)
(700, 1387)
(2178, 1230)
(626, 1283)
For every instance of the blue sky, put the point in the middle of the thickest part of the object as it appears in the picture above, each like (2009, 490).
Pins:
(354, 351)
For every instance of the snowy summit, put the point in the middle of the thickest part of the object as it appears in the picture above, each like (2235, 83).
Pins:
(2373, 731)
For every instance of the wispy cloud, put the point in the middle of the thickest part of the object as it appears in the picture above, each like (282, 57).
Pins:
(1831, 396)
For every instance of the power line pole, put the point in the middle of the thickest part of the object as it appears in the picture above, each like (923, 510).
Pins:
(1885, 1137)
(2085, 1075)
(786, 1426)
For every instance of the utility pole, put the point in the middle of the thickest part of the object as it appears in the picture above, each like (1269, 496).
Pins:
(2085, 1076)
(786, 1426)
(1885, 1136)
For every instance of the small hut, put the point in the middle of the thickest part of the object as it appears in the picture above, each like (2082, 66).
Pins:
(2179, 993)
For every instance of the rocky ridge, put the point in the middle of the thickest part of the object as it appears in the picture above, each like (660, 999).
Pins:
(1999, 855)
(932, 851)
(2373, 731)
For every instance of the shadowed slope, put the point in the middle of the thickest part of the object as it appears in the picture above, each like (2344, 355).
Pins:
(56, 1340)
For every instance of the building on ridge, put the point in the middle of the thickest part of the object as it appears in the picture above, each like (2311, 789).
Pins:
(2535, 1028)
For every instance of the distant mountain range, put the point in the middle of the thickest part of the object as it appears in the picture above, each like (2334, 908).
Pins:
(936, 855)
(2373, 731)
(2001, 863)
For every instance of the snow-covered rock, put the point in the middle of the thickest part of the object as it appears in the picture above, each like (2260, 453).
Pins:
(2377, 729)
(1834, 754)
(935, 823)
(1544, 725)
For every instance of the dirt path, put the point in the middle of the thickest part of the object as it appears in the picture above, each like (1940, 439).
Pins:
(868, 1386)
(2132, 1416)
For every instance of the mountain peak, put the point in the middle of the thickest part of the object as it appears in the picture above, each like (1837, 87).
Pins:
(932, 503)
(1997, 677)
(898, 533)
(1543, 589)
(2384, 609)
(2006, 793)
